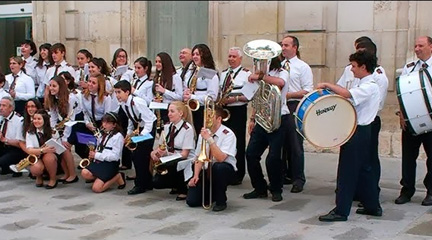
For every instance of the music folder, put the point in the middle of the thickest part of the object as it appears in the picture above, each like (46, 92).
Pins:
(140, 138)
(158, 105)
(58, 146)
(206, 73)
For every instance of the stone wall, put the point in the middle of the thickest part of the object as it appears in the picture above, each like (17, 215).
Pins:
(326, 30)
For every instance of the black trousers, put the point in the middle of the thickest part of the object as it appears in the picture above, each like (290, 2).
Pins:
(164, 119)
(237, 123)
(222, 174)
(141, 161)
(355, 166)
(293, 162)
(258, 142)
(410, 151)
(173, 179)
(198, 119)
(10, 155)
(126, 159)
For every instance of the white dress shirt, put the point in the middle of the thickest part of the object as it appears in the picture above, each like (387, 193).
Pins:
(145, 117)
(144, 88)
(301, 77)
(14, 126)
(3, 93)
(100, 107)
(128, 75)
(204, 86)
(112, 151)
(40, 78)
(239, 77)
(32, 139)
(281, 73)
(55, 117)
(64, 67)
(184, 138)
(415, 66)
(366, 99)
(176, 94)
(30, 68)
(24, 86)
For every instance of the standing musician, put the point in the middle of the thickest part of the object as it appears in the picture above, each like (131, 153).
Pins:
(28, 50)
(40, 131)
(301, 83)
(103, 168)
(180, 138)
(10, 136)
(21, 86)
(45, 61)
(234, 78)
(58, 53)
(260, 139)
(142, 85)
(62, 107)
(83, 57)
(141, 118)
(221, 145)
(185, 57)
(354, 157)
(195, 89)
(99, 66)
(411, 143)
(167, 86)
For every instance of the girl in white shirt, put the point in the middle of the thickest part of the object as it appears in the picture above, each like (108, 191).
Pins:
(103, 168)
(40, 132)
(45, 61)
(21, 86)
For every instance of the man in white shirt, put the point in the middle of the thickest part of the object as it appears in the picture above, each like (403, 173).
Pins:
(301, 83)
(185, 57)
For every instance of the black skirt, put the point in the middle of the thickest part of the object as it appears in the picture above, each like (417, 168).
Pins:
(104, 170)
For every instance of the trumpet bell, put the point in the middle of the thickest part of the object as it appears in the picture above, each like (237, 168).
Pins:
(193, 104)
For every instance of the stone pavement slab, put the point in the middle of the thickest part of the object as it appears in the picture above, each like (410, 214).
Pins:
(74, 212)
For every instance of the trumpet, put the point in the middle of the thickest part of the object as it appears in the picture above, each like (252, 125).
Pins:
(128, 140)
(29, 160)
(193, 104)
(86, 161)
(209, 112)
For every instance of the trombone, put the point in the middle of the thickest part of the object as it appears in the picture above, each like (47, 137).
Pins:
(209, 112)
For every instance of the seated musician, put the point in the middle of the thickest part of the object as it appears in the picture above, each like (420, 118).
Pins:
(10, 136)
(179, 138)
(104, 160)
(221, 146)
(39, 132)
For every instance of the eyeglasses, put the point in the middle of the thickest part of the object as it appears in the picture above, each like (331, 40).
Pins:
(121, 56)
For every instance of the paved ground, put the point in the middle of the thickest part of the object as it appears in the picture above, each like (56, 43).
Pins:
(74, 212)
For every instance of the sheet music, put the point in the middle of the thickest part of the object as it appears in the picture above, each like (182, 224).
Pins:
(120, 70)
(170, 157)
(86, 69)
(249, 89)
(157, 105)
(59, 147)
(206, 73)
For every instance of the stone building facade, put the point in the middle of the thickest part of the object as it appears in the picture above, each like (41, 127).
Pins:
(326, 30)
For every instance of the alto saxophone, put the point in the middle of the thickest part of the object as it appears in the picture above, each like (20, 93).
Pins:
(158, 166)
(129, 144)
(223, 95)
(61, 125)
(159, 98)
(193, 104)
(86, 161)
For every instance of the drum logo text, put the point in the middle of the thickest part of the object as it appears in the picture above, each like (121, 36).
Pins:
(324, 110)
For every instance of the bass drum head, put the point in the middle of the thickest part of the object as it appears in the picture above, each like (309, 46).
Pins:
(330, 122)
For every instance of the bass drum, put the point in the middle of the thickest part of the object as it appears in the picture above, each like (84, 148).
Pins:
(414, 95)
(325, 119)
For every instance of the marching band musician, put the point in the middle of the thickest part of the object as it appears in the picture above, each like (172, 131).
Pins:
(120, 58)
(45, 61)
(180, 138)
(221, 146)
(143, 119)
(62, 107)
(141, 83)
(31, 107)
(58, 53)
(202, 57)
(99, 66)
(28, 50)
(103, 168)
(236, 104)
(354, 158)
(21, 86)
(411, 143)
(83, 57)
(260, 139)
(10, 136)
(40, 131)
(301, 83)
(3, 91)
(167, 83)
(185, 57)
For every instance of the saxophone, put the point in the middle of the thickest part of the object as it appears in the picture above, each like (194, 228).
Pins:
(159, 98)
(158, 167)
(61, 125)
(193, 104)
(128, 139)
(223, 95)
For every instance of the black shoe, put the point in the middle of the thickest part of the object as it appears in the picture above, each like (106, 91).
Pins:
(173, 191)
(178, 198)
(17, 174)
(39, 185)
(360, 205)
(276, 197)
(255, 194)
(402, 199)
(427, 201)
(51, 187)
(376, 213)
(287, 181)
(89, 181)
(296, 188)
(73, 181)
(124, 180)
(136, 190)
(218, 208)
(130, 178)
(235, 182)
(60, 180)
(332, 217)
